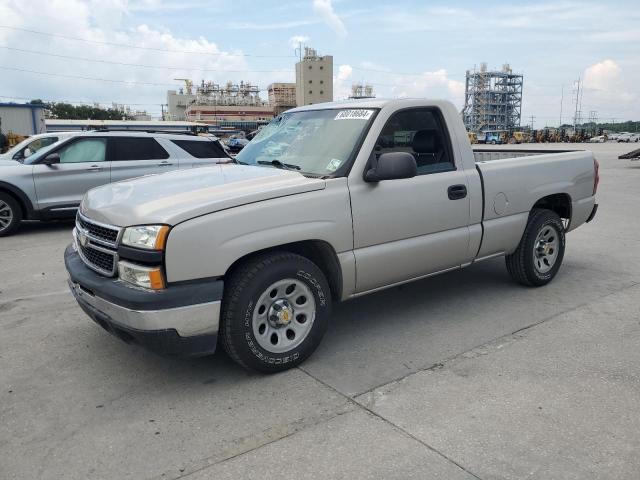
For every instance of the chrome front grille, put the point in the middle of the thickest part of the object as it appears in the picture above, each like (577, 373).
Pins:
(97, 245)
(106, 234)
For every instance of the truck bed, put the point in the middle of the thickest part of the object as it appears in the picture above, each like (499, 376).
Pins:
(488, 154)
(512, 185)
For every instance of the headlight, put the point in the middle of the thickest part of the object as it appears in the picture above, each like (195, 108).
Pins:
(147, 277)
(151, 237)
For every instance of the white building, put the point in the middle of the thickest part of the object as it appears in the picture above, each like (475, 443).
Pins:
(314, 78)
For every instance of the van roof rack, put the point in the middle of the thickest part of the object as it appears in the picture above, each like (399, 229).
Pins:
(139, 130)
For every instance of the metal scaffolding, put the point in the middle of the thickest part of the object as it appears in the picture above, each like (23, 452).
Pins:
(492, 100)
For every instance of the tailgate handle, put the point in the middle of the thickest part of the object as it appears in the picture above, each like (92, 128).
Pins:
(456, 192)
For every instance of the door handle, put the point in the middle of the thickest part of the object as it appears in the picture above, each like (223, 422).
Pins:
(94, 168)
(456, 192)
(165, 164)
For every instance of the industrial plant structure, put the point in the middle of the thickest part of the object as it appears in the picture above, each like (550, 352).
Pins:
(282, 96)
(493, 100)
(240, 105)
(229, 105)
(361, 90)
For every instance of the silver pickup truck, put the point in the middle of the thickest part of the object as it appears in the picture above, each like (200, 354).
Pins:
(327, 203)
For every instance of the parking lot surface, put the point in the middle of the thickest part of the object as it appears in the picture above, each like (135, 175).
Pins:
(466, 375)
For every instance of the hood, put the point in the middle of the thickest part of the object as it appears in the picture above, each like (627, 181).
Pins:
(173, 197)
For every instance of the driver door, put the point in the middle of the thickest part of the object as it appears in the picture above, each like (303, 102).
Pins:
(83, 166)
(408, 228)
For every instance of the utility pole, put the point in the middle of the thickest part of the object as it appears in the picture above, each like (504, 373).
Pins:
(532, 119)
(561, 99)
(162, 109)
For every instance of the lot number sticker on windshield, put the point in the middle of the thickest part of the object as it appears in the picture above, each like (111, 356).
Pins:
(359, 114)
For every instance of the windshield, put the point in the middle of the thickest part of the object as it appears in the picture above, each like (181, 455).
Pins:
(317, 142)
(42, 152)
(33, 144)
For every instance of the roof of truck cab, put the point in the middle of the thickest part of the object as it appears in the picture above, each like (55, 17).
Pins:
(368, 103)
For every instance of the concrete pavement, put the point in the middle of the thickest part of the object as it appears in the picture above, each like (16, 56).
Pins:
(466, 375)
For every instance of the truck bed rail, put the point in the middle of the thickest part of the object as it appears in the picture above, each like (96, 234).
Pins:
(487, 155)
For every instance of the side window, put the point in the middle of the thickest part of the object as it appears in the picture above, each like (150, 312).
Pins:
(419, 132)
(36, 145)
(136, 148)
(85, 150)
(202, 148)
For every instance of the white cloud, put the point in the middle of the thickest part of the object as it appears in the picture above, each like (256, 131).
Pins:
(602, 75)
(78, 19)
(324, 8)
(342, 82)
(344, 72)
(269, 25)
(296, 40)
(436, 84)
(606, 89)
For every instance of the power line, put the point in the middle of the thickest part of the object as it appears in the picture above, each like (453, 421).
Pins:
(128, 45)
(111, 62)
(406, 74)
(172, 85)
(78, 102)
(128, 82)
(152, 84)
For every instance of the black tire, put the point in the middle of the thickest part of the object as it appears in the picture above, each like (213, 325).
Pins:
(9, 207)
(521, 264)
(242, 292)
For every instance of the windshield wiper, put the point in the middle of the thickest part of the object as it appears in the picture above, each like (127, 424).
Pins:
(278, 164)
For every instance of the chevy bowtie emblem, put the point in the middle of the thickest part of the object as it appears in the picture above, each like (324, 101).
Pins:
(83, 239)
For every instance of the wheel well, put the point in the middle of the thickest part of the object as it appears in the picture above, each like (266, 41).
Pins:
(20, 201)
(559, 203)
(318, 251)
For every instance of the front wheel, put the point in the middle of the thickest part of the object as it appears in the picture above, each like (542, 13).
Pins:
(541, 250)
(10, 215)
(275, 311)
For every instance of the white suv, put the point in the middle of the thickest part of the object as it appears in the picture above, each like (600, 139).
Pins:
(51, 182)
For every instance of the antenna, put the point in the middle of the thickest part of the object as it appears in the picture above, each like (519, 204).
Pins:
(561, 100)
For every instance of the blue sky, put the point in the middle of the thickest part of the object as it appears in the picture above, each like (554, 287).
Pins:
(404, 48)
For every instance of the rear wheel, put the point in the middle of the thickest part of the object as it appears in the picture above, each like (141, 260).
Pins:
(10, 214)
(541, 250)
(275, 311)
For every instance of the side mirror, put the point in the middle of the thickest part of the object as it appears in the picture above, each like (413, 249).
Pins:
(51, 159)
(392, 166)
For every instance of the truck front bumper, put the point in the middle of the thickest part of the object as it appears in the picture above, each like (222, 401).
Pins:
(179, 320)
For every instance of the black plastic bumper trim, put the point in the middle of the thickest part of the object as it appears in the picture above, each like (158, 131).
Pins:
(163, 342)
(116, 291)
(593, 213)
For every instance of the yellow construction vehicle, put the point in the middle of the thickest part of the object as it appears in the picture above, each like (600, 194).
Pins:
(520, 137)
(13, 139)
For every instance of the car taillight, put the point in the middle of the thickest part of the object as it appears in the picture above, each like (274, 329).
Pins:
(596, 180)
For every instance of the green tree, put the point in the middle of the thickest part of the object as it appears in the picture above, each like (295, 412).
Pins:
(68, 111)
